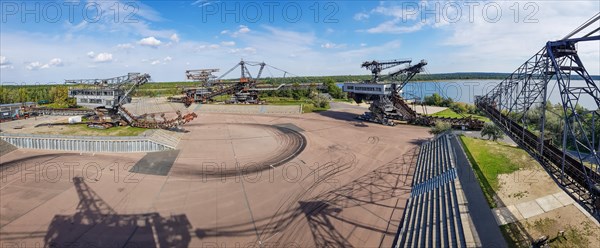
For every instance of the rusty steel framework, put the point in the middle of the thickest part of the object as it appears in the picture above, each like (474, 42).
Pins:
(574, 165)
(376, 67)
(121, 88)
(389, 106)
(118, 88)
(242, 90)
(202, 75)
(120, 80)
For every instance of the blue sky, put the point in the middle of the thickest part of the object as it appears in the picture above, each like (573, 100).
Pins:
(52, 41)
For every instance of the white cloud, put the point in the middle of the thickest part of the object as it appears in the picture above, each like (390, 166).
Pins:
(403, 12)
(36, 65)
(393, 27)
(369, 52)
(329, 45)
(5, 63)
(155, 62)
(168, 58)
(103, 58)
(273, 45)
(174, 38)
(242, 29)
(91, 54)
(202, 3)
(228, 43)
(125, 46)
(511, 43)
(363, 44)
(361, 16)
(138, 24)
(476, 46)
(401, 18)
(246, 50)
(55, 62)
(150, 41)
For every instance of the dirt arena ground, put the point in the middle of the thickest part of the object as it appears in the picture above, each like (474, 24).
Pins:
(235, 181)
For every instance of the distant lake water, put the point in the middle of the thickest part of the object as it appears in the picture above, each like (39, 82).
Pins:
(459, 90)
(466, 90)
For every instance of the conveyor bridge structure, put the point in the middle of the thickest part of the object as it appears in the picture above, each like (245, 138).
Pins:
(573, 160)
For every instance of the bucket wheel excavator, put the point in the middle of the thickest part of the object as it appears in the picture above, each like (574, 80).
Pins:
(387, 105)
(242, 90)
(108, 96)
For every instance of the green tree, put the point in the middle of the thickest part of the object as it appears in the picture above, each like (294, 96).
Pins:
(459, 107)
(11, 95)
(333, 89)
(492, 131)
(320, 101)
(446, 102)
(22, 94)
(434, 100)
(59, 94)
(3, 94)
(297, 92)
(440, 127)
(285, 93)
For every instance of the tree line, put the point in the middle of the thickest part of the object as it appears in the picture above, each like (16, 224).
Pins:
(58, 94)
(555, 124)
(459, 107)
(42, 94)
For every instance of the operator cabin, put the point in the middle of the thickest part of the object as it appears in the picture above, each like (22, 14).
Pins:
(98, 97)
(363, 91)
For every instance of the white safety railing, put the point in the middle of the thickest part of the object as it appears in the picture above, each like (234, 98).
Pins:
(125, 144)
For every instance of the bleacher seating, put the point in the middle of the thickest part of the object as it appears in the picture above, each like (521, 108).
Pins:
(432, 217)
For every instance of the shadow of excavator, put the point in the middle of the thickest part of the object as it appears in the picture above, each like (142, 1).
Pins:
(96, 224)
(322, 214)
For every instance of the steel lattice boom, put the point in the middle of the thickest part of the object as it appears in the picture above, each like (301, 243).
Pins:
(108, 96)
(242, 90)
(387, 105)
(574, 163)
(377, 66)
(203, 75)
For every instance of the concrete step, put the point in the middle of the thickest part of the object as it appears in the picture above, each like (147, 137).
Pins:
(6, 147)
(165, 137)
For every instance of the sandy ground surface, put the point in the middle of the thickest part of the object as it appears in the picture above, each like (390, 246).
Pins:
(419, 109)
(568, 219)
(427, 109)
(524, 185)
(156, 105)
(138, 106)
(346, 188)
(28, 125)
(528, 184)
